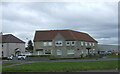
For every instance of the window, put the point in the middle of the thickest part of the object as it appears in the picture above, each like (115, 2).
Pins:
(72, 43)
(93, 50)
(86, 43)
(68, 43)
(82, 52)
(58, 43)
(89, 43)
(50, 43)
(44, 43)
(93, 44)
(82, 44)
(47, 51)
(70, 51)
(86, 51)
(59, 52)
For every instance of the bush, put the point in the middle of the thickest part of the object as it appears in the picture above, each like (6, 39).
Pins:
(40, 55)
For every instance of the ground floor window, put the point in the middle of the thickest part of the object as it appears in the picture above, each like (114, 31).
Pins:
(59, 52)
(47, 51)
(70, 51)
(2, 53)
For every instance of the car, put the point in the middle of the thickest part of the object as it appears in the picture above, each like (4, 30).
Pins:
(10, 57)
(21, 57)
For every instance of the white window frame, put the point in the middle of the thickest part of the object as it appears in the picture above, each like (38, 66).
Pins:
(82, 43)
(60, 43)
(93, 44)
(68, 51)
(82, 52)
(49, 43)
(47, 50)
(72, 43)
(93, 50)
(86, 44)
(59, 52)
(44, 43)
(67, 42)
(90, 43)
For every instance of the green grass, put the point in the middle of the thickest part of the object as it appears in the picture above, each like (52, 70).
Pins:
(112, 56)
(7, 64)
(63, 66)
(74, 58)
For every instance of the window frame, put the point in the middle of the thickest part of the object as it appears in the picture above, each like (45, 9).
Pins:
(72, 43)
(49, 43)
(58, 43)
(59, 52)
(44, 43)
(73, 51)
(47, 51)
(82, 43)
(67, 42)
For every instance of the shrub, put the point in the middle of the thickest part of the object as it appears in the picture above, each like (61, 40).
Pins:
(40, 55)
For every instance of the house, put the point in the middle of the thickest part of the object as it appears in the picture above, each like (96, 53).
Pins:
(105, 49)
(64, 43)
(12, 45)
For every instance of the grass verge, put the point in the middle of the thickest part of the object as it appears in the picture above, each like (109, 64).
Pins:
(63, 66)
(112, 56)
(7, 64)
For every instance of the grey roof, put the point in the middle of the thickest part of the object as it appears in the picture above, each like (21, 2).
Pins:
(9, 38)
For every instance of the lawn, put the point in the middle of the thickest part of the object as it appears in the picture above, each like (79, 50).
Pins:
(95, 57)
(63, 66)
(7, 64)
(112, 56)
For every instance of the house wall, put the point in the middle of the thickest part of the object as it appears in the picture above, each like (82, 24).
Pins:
(78, 48)
(9, 48)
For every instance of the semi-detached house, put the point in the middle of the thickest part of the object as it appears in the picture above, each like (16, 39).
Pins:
(12, 45)
(64, 43)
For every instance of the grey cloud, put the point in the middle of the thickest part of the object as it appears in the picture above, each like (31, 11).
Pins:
(97, 19)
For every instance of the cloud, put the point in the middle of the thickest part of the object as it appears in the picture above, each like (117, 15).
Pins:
(97, 19)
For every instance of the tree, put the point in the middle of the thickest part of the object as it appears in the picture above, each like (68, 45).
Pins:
(30, 46)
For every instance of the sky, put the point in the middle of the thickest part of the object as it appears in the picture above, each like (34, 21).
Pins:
(98, 19)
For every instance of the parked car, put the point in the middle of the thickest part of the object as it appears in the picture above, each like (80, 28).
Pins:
(21, 57)
(10, 57)
(26, 53)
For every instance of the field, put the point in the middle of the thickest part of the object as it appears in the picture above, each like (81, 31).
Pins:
(63, 66)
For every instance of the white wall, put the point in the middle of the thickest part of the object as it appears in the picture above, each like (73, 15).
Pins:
(9, 48)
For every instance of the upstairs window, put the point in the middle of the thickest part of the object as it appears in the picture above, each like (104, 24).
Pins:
(58, 43)
(44, 43)
(67, 43)
(93, 44)
(73, 43)
(82, 44)
(89, 43)
(85, 43)
(49, 43)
